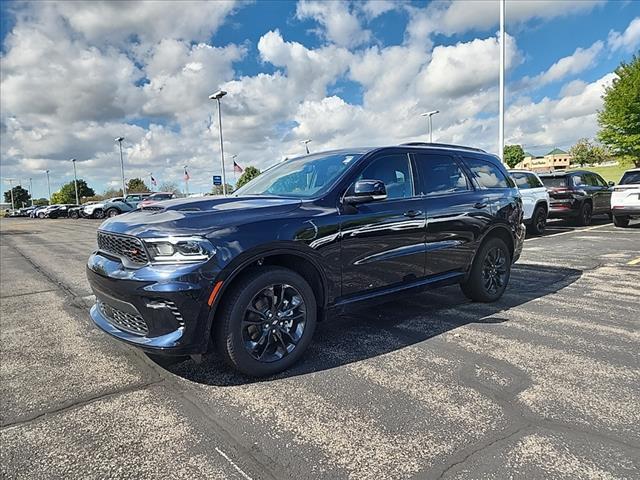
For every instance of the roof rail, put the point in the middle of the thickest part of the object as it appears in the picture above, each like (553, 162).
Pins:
(444, 145)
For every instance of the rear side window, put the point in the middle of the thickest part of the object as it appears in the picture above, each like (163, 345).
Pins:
(630, 178)
(526, 180)
(440, 174)
(554, 182)
(580, 180)
(487, 174)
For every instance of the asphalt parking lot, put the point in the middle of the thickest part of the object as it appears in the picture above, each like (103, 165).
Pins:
(543, 384)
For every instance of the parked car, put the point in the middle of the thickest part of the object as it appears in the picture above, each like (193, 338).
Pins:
(35, 213)
(535, 199)
(96, 210)
(130, 202)
(625, 199)
(155, 198)
(252, 273)
(577, 195)
(62, 211)
(44, 211)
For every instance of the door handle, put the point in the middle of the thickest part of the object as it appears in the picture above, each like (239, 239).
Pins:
(412, 213)
(480, 205)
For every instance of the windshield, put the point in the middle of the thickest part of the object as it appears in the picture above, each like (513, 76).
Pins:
(554, 182)
(631, 178)
(300, 177)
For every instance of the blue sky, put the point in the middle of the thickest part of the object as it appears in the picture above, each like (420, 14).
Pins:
(341, 73)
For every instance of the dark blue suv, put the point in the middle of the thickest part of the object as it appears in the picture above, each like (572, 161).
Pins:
(252, 273)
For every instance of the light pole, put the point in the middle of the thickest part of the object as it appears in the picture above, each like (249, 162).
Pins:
(48, 185)
(217, 96)
(502, 55)
(31, 190)
(124, 187)
(10, 180)
(75, 180)
(430, 114)
(306, 144)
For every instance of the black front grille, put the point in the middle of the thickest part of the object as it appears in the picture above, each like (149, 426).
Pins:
(130, 248)
(153, 208)
(124, 321)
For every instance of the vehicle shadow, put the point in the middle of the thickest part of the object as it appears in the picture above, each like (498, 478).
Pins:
(364, 333)
(555, 226)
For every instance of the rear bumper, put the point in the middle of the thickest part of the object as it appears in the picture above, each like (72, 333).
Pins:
(519, 242)
(161, 309)
(628, 211)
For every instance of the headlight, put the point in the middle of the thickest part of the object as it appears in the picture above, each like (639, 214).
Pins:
(179, 249)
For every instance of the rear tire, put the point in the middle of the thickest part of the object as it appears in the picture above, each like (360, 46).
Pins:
(538, 221)
(266, 321)
(620, 221)
(585, 215)
(74, 215)
(113, 212)
(490, 272)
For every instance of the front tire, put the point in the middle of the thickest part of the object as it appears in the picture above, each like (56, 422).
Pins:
(585, 215)
(74, 215)
(99, 214)
(538, 221)
(489, 273)
(620, 221)
(266, 321)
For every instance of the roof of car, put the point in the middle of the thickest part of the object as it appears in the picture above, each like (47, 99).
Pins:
(363, 150)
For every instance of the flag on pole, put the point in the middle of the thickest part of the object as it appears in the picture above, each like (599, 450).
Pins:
(153, 180)
(237, 168)
(186, 175)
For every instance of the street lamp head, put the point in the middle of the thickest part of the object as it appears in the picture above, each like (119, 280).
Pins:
(428, 114)
(73, 159)
(306, 141)
(119, 139)
(217, 95)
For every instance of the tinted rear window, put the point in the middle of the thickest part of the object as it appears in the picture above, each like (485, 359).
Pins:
(630, 178)
(487, 174)
(554, 182)
(526, 180)
(440, 174)
(161, 196)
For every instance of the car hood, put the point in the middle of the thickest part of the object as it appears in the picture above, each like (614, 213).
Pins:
(198, 216)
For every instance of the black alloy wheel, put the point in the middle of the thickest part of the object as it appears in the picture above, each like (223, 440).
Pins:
(274, 322)
(99, 213)
(620, 221)
(494, 270)
(539, 221)
(265, 321)
(585, 215)
(490, 272)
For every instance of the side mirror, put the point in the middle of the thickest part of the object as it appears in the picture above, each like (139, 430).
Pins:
(364, 191)
(611, 184)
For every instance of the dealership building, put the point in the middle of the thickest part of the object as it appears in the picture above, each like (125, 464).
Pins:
(556, 159)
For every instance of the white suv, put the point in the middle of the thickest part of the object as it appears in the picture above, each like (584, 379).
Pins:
(535, 199)
(625, 199)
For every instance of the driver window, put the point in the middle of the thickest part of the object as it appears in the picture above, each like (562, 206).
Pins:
(394, 171)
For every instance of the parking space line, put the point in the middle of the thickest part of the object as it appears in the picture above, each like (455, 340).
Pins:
(566, 233)
(233, 464)
(634, 262)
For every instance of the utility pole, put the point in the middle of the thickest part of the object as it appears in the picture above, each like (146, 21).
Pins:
(31, 190)
(48, 186)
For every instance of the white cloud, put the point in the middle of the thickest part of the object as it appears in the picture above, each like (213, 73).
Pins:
(627, 40)
(450, 17)
(340, 24)
(579, 61)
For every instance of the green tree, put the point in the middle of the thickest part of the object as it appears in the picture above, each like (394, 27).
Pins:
(112, 192)
(249, 174)
(56, 198)
(20, 196)
(40, 202)
(513, 154)
(68, 192)
(581, 151)
(137, 185)
(217, 189)
(620, 117)
(169, 187)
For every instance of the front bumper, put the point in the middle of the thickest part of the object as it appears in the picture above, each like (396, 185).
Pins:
(161, 309)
